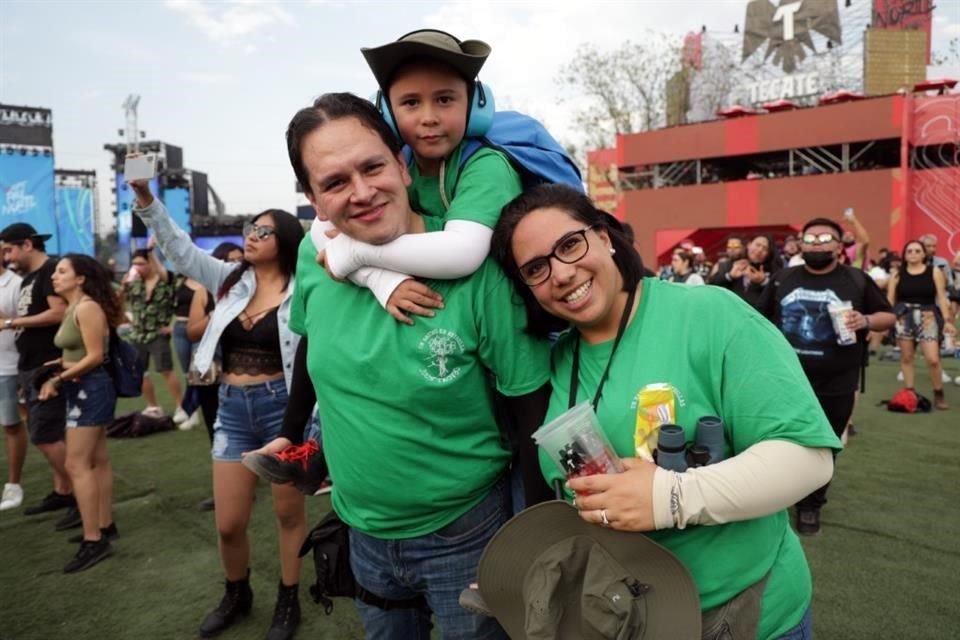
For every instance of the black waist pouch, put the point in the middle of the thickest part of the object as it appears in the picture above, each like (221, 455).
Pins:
(330, 543)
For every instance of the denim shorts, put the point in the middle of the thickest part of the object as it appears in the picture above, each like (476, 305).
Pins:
(437, 566)
(9, 401)
(91, 399)
(918, 325)
(248, 417)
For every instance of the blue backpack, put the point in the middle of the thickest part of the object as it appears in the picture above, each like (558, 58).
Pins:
(532, 151)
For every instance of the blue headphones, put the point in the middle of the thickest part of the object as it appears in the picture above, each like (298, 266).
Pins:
(479, 116)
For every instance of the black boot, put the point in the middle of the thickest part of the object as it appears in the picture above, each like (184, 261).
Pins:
(236, 602)
(286, 615)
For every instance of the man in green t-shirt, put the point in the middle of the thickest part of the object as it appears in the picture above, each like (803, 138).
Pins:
(418, 462)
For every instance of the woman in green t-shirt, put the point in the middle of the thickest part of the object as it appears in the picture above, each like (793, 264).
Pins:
(574, 266)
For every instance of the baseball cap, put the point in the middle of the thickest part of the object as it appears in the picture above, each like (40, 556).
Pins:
(20, 231)
(549, 574)
(466, 57)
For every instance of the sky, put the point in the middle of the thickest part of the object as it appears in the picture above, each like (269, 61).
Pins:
(222, 79)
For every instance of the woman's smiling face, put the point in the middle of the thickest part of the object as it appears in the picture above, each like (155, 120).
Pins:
(583, 292)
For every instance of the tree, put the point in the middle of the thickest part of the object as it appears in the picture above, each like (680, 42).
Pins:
(620, 91)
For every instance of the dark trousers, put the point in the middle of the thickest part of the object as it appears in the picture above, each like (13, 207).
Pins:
(838, 408)
(209, 400)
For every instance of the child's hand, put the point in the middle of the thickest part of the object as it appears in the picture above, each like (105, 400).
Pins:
(322, 260)
(413, 297)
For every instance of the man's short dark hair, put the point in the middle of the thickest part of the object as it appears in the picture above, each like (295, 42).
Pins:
(824, 222)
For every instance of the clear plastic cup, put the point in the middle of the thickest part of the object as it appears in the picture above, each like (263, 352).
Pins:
(577, 445)
(838, 314)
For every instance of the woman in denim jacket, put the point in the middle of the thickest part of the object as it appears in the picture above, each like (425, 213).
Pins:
(250, 323)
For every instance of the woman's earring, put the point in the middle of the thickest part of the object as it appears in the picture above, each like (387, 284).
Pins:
(612, 251)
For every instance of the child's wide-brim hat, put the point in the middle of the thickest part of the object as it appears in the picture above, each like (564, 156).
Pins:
(466, 57)
(549, 574)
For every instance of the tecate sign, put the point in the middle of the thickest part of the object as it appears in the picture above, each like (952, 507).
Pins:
(796, 86)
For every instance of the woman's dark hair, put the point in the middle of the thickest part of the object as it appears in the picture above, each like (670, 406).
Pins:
(289, 232)
(772, 263)
(141, 253)
(577, 206)
(326, 108)
(224, 249)
(98, 284)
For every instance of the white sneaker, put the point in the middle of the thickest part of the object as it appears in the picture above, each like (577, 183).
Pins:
(944, 376)
(12, 496)
(153, 412)
(180, 416)
(956, 380)
(899, 376)
(190, 422)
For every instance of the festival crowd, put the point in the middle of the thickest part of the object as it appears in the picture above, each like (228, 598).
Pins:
(401, 354)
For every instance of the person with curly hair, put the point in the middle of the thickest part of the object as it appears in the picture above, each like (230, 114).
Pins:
(93, 310)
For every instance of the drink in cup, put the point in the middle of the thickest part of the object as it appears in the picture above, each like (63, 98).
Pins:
(577, 445)
(838, 314)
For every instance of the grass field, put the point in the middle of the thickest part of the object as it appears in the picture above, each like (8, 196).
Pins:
(887, 564)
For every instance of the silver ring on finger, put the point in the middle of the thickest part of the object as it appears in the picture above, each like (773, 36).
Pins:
(603, 518)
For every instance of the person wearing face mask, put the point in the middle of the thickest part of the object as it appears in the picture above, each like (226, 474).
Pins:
(796, 301)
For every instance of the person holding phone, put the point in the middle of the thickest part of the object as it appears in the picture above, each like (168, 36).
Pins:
(250, 324)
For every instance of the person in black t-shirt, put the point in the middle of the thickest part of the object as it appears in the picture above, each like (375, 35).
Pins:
(796, 301)
(39, 313)
(919, 292)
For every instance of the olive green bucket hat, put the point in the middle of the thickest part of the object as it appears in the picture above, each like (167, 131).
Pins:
(548, 574)
(466, 56)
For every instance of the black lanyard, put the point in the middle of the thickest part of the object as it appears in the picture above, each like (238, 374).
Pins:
(575, 372)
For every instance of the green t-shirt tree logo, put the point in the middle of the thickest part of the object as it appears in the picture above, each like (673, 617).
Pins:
(440, 348)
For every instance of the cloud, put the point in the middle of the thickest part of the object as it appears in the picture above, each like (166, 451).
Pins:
(232, 20)
(208, 79)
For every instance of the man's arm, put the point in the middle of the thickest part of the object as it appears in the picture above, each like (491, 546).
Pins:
(51, 317)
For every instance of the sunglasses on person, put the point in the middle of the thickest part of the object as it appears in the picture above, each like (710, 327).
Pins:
(568, 249)
(261, 232)
(818, 238)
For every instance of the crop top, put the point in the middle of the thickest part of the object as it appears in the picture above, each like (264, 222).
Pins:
(253, 349)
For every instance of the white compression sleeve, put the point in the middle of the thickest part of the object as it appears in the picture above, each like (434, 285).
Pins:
(764, 479)
(380, 282)
(455, 252)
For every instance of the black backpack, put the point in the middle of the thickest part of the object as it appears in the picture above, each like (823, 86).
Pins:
(125, 367)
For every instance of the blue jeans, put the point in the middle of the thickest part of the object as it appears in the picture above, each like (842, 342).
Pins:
(185, 349)
(803, 631)
(438, 566)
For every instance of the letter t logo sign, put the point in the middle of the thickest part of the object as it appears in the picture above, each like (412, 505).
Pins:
(786, 12)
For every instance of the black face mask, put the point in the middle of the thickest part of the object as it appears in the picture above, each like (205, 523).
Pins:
(819, 259)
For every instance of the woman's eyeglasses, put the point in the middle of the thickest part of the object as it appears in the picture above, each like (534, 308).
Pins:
(569, 249)
(818, 238)
(261, 232)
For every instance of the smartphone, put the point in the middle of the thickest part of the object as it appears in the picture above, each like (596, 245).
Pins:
(140, 167)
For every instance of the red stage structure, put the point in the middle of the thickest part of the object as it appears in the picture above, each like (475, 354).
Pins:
(893, 159)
